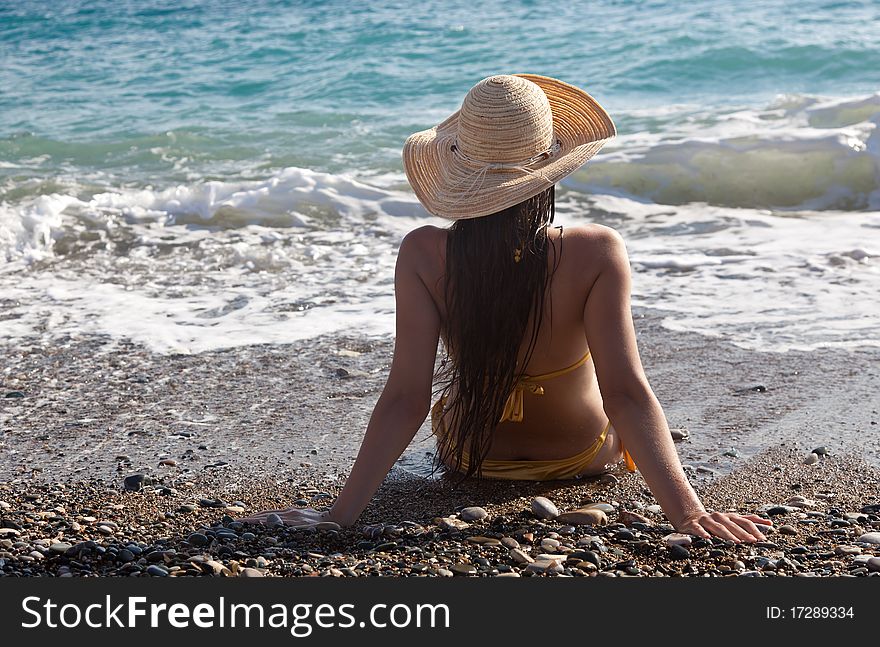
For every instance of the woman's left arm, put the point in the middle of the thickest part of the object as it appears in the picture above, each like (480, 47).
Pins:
(405, 401)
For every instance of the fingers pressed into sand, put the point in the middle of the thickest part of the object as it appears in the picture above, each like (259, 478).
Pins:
(749, 526)
(718, 529)
(728, 522)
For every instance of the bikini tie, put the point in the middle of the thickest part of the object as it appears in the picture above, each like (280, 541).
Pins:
(513, 408)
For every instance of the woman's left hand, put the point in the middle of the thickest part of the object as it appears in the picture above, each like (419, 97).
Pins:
(293, 517)
(726, 525)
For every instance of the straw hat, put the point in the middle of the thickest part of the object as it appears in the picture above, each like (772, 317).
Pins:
(514, 136)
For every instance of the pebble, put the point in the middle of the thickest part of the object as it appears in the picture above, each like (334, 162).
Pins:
(217, 567)
(520, 557)
(847, 550)
(870, 538)
(786, 529)
(60, 547)
(484, 541)
(474, 513)
(450, 523)
(584, 517)
(135, 482)
(654, 509)
(157, 571)
(627, 518)
(198, 539)
(543, 508)
(604, 507)
(463, 569)
(168, 462)
(545, 566)
(251, 572)
(801, 502)
(677, 539)
(444, 572)
(274, 520)
(680, 433)
(550, 545)
(779, 509)
(811, 459)
(822, 450)
(874, 564)
(509, 542)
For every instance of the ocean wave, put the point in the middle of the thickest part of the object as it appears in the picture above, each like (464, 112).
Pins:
(294, 197)
(801, 153)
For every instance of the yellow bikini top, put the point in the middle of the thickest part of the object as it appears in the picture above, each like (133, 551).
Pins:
(513, 408)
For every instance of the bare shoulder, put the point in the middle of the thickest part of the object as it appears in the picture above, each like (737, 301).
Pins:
(421, 245)
(596, 241)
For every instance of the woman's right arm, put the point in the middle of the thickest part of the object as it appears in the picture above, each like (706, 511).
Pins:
(630, 403)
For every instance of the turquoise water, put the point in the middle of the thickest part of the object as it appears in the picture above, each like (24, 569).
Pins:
(198, 174)
(168, 91)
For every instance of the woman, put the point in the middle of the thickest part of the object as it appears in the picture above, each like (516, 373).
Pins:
(542, 377)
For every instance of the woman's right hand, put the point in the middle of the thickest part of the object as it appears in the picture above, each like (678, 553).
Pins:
(293, 517)
(726, 525)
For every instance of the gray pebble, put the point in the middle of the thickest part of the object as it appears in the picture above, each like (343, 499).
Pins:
(543, 508)
(198, 539)
(157, 571)
(474, 513)
(135, 482)
(60, 547)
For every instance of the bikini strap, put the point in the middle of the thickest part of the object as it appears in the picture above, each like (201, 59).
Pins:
(513, 407)
(552, 374)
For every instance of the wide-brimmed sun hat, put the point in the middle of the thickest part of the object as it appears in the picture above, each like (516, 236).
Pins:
(514, 136)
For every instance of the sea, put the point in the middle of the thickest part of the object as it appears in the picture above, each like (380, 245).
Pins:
(193, 175)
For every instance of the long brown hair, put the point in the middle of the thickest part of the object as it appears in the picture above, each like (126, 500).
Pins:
(489, 300)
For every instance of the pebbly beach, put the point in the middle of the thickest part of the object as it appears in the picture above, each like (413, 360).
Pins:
(118, 461)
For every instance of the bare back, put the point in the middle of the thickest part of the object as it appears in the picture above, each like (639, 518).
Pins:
(569, 416)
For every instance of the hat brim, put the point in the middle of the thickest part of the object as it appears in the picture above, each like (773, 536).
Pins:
(448, 187)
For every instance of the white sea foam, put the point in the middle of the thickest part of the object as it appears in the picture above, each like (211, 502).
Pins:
(762, 281)
(204, 265)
